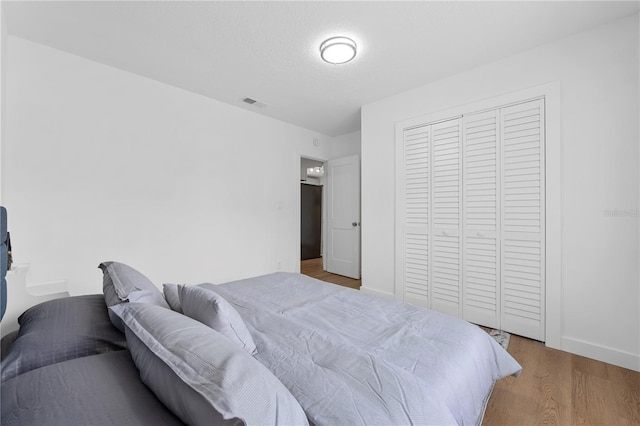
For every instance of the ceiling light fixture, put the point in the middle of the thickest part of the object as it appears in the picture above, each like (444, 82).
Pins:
(315, 172)
(338, 50)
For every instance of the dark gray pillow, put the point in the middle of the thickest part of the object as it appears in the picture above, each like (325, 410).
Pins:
(221, 379)
(102, 389)
(213, 310)
(6, 343)
(119, 280)
(61, 329)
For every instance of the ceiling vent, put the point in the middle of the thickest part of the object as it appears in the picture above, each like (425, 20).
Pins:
(254, 102)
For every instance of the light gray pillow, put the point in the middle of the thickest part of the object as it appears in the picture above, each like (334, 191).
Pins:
(172, 297)
(127, 279)
(206, 376)
(148, 296)
(118, 281)
(211, 309)
(110, 296)
(187, 404)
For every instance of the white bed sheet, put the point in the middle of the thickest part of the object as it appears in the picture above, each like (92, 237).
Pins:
(351, 358)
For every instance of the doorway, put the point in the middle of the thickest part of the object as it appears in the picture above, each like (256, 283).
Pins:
(311, 209)
(310, 221)
(339, 209)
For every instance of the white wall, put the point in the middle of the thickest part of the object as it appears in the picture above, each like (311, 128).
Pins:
(345, 145)
(101, 164)
(598, 73)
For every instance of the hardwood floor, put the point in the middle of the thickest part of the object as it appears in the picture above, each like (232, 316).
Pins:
(313, 268)
(554, 388)
(559, 388)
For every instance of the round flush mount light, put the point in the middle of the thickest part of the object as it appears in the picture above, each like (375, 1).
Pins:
(338, 50)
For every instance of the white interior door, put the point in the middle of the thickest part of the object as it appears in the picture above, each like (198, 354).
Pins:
(343, 216)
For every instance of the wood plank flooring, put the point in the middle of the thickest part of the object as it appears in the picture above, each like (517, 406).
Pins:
(313, 268)
(554, 388)
(559, 388)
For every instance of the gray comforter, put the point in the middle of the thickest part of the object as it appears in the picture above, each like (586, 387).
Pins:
(350, 358)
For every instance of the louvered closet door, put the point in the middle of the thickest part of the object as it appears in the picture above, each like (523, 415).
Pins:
(481, 250)
(523, 280)
(416, 148)
(446, 199)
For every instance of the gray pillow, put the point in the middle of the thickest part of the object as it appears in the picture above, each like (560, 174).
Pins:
(118, 281)
(110, 296)
(213, 310)
(103, 389)
(148, 296)
(172, 297)
(61, 329)
(221, 379)
(126, 279)
(6, 343)
(176, 395)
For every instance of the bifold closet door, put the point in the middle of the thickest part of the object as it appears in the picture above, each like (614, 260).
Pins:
(413, 211)
(430, 210)
(470, 217)
(446, 197)
(481, 243)
(522, 217)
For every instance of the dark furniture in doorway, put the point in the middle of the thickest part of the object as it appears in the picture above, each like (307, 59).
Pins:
(310, 221)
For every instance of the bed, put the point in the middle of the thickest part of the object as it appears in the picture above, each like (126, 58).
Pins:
(281, 348)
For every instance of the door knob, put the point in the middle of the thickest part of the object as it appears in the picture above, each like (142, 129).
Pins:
(354, 223)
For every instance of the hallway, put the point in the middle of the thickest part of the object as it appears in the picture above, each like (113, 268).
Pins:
(313, 268)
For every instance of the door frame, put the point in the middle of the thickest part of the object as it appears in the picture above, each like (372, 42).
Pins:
(324, 214)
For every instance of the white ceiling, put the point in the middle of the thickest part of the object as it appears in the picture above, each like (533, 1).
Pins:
(269, 50)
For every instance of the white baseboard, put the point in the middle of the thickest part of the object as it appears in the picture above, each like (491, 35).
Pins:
(378, 293)
(602, 353)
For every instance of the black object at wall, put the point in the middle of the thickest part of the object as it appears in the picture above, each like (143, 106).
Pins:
(310, 221)
(9, 253)
(4, 260)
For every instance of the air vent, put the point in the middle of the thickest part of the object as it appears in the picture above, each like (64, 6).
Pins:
(254, 103)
